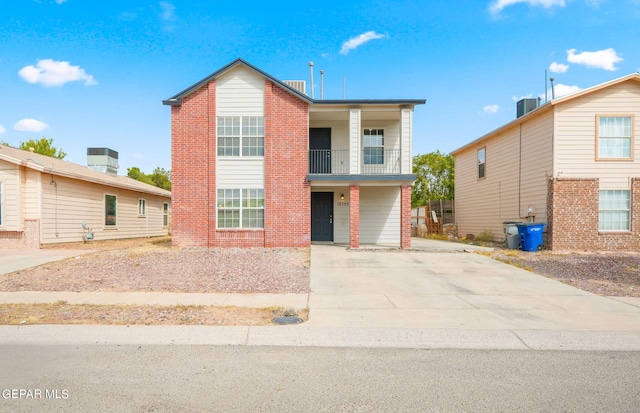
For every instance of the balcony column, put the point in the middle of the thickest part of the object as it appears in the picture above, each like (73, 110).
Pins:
(354, 216)
(405, 140)
(405, 216)
(354, 140)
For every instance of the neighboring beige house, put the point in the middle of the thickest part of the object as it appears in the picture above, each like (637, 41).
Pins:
(44, 200)
(571, 163)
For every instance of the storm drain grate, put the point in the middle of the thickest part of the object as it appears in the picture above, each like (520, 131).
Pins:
(287, 320)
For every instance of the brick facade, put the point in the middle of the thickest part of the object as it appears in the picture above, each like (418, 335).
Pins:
(286, 156)
(28, 239)
(354, 216)
(405, 216)
(573, 217)
(287, 192)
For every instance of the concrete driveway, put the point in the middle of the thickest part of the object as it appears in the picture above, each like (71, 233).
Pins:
(14, 260)
(440, 286)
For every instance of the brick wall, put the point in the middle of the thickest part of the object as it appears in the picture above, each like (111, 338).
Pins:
(354, 216)
(573, 216)
(286, 189)
(405, 216)
(28, 239)
(191, 167)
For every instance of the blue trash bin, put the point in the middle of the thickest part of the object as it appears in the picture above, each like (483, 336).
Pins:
(531, 235)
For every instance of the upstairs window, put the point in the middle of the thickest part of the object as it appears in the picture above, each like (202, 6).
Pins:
(615, 137)
(240, 135)
(481, 162)
(374, 146)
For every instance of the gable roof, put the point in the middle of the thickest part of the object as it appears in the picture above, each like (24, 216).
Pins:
(176, 100)
(547, 106)
(58, 167)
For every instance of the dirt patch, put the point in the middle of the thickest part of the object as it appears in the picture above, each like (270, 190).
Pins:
(64, 313)
(153, 265)
(602, 273)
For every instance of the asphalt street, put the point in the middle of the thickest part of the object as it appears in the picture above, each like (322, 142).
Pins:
(141, 378)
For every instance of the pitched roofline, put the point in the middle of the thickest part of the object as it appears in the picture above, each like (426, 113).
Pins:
(176, 100)
(91, 176)
(541, 109)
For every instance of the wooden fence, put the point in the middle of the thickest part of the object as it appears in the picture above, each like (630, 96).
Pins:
(433, 215)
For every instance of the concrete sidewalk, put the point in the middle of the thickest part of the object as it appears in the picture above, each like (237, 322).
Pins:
(434, 296)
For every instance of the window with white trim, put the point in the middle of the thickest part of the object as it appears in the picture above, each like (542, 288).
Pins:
(142, 206)
(110, 210)
(481, 162)
(615, 210)
(165, 214)
(240, 135)
(241, 208)
(615, 137)
(374, 146)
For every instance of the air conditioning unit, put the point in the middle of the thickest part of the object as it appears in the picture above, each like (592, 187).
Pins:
(299, 85)
(525, 106)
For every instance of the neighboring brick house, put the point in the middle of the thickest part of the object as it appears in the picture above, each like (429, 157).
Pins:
(572, 163)
(258, 163)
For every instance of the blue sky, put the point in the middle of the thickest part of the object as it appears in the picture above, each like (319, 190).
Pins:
(94, 74)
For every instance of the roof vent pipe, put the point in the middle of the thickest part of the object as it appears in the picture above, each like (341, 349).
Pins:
(553, 91)
(311, 76)
(322, 84)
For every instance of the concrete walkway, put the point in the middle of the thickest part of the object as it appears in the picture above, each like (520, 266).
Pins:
(438, 295)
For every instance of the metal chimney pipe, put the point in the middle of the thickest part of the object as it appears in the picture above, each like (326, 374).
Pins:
(311, 76)
(322, 84)
(553, 91)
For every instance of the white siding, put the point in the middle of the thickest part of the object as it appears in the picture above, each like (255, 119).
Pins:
(516, 173)
(576, 135)
(354, 140)
(240, 172)
(240, 92)
(406, 133)
(380, 215)
(10, 178)
(31, 195)
(69, 203)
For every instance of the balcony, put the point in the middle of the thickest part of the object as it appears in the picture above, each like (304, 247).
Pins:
(372, 161)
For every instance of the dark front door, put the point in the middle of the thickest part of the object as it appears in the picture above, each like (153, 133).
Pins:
(320, 150)
(322, 216)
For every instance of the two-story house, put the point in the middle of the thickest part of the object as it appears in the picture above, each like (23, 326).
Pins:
(571, 163)
(256, 162)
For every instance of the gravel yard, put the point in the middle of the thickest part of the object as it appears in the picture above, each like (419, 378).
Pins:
(153, 265)
(602, 273)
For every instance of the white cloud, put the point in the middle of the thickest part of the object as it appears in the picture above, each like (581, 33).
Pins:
(558, 67)
(498, 5)
(602, 59)
(2, 130)
(561, 90)
(30, 125)
(50, 72)
(491, 109)
(168, 11)
(358, 41)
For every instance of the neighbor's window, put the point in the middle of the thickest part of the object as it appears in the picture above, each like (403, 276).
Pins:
(614, 137)
(615, 208)
(142, 206)
(240, 208)
(165, 214)
(481, 162)
(235, 132)
(110, 210)
(374, 146)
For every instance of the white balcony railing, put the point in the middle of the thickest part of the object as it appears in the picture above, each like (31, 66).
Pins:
(373, 161)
